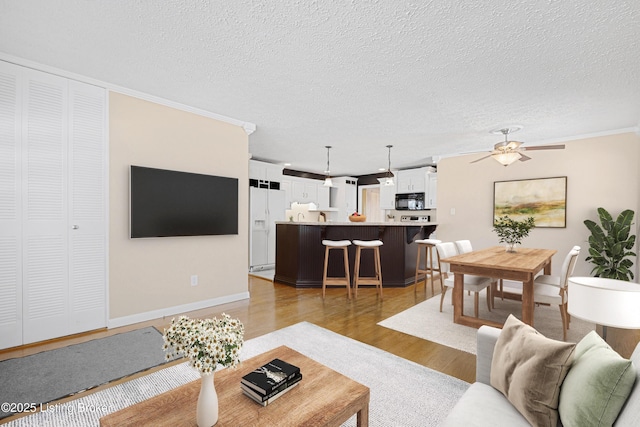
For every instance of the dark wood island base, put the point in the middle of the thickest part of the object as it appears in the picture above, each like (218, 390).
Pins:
(300, 253)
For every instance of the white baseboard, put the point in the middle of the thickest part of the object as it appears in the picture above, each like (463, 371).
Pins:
(171, 311)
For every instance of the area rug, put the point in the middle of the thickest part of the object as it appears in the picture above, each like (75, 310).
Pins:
(425, 321)
(54, 374)
(403, 393)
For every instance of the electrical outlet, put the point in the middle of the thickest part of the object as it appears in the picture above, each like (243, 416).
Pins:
(194, 280)
(453, 211)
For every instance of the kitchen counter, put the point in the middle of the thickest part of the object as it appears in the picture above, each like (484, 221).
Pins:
(390, 223)
(300, 252)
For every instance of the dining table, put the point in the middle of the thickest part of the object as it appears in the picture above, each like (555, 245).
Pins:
(497, 263)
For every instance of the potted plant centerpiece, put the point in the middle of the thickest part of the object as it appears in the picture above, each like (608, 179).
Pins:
(207, 343)
(611, 244)
(512, 231)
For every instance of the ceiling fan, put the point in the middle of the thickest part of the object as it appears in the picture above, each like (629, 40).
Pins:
(507, 152)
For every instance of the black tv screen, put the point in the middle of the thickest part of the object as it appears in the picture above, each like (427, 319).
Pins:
(167, 203)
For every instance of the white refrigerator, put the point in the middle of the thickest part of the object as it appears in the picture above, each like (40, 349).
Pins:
(266, 206)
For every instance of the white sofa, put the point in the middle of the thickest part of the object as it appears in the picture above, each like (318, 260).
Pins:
(483, 405)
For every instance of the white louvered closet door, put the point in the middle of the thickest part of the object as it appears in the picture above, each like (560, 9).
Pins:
(87, 210)
(45, 236)
(10, 208)
(52, 206)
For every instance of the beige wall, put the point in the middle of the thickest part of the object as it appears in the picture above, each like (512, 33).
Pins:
(601, 172)
(152, 276)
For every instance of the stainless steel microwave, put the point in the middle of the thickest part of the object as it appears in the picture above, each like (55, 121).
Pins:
(410, 202)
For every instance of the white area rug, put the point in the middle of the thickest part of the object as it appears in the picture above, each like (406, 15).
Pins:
(403, 393)
(425, 321)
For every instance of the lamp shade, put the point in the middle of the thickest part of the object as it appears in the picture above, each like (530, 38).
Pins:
(607, 302)
(506, 158)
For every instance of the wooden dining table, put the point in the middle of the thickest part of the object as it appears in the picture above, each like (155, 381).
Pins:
(495, 262)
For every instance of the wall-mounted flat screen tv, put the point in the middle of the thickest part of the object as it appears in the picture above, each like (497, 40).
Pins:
(167, 203)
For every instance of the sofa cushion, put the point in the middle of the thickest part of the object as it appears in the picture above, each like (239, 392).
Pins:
(597, 386)
(630, 413)
(528, 369)
(482, 405)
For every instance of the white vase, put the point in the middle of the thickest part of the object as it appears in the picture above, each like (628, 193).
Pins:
(207, 409)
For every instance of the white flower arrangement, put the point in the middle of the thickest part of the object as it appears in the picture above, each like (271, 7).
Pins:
(207, 343)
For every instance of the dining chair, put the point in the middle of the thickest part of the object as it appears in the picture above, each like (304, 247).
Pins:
(549, 289)
(472, 283)
(465, 246)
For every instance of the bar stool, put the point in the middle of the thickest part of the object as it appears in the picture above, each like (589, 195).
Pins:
(375, 280)
(429, 266)
(338, 280)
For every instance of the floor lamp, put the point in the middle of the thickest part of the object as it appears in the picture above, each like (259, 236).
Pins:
(606, 302)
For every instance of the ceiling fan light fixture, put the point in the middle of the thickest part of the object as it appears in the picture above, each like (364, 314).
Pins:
(506, 158)
(506, 151)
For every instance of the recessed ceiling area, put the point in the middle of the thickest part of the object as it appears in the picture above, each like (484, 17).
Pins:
(430, 78)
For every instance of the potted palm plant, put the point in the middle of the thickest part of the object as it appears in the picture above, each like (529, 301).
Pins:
(512, 231)
(611, 244)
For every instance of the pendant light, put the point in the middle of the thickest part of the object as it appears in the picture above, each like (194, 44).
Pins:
(327, 179)
(388, 175)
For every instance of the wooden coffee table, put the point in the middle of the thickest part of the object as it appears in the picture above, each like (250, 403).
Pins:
(323, 398)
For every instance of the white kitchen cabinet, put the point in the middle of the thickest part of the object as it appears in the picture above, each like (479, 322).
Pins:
(411, 181)
(432, 190)
(304, 191)
(324, 195)
(387, 195)
(344, 197)
(264, 171)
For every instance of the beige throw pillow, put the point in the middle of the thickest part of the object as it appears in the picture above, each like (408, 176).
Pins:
(528, 369)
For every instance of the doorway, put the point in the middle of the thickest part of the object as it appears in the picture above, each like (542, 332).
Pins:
(369, 203)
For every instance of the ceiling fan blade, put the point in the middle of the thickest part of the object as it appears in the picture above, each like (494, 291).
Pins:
(524, 158)
(543, 147)
(482, 158)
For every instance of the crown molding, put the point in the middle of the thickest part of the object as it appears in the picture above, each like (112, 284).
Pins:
(586, 136)
(248, 127)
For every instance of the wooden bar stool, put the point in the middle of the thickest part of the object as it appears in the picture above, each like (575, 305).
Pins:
(338, 280)
(429, 266)
(375, 280)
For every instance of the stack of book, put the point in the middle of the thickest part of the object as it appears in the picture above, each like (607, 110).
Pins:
(270, 381)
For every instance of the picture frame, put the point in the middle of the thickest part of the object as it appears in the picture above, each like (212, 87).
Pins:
(544, 199)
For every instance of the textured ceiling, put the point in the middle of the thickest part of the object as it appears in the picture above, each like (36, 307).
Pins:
(431, 78)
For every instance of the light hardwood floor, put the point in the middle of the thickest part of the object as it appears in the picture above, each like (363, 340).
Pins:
(273, 306)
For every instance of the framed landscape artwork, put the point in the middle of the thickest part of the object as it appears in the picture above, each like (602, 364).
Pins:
(545, 199)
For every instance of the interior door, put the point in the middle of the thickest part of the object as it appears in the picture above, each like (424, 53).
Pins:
(10, 207)
(87, 210)
(52, 206)
(45, 234)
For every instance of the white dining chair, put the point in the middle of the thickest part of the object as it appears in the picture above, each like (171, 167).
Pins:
(552, 290)
(465, 246)
(472, 283)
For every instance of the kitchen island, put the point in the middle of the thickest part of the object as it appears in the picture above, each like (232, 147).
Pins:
(300, 252)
